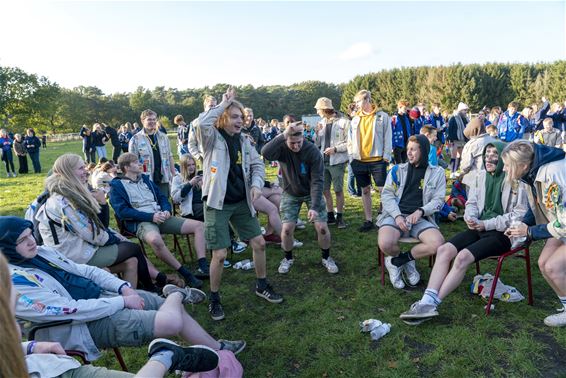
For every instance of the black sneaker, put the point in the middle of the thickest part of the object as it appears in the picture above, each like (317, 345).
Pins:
(234, 346)
(192, 281)
(216, 311)
(340, 223)
(203, 272)
(331, 219)
(195, 358)
(367, 226)
(268, 294)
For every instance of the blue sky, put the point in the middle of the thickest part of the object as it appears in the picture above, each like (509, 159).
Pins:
(118, 46)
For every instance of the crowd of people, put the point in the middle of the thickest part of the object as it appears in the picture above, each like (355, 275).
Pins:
(507, 174)
(22, 147)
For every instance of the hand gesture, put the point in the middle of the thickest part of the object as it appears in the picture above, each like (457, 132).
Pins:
(517, 231)
(414, 218)
(329, 151)
(230, 95)
(159, 217)
(134, 302)
(400, 221)
(312, 215)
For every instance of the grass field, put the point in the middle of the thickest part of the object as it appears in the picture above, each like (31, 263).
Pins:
(315, 332)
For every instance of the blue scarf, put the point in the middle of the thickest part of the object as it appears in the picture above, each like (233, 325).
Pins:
(10, 230)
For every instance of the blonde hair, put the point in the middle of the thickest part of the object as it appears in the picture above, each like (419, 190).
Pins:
(224, 119)
(548, 121)
(183, 164)
(65, 182)
(11, 354)
(364, 94)
(516, 154)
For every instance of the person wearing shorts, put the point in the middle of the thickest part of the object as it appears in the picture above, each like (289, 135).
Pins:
(302, 170)
(413, 193)
(331, 138)
(233, 175)
(146, 211)
(492, 204)
(370, 148)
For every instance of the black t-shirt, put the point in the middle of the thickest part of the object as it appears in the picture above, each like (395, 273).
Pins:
(412, 197)
(157, 175)
(236, 188)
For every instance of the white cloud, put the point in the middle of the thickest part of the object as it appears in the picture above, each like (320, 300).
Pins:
(359, 50)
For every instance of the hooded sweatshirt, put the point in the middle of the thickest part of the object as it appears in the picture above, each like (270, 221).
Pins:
(412, 199)
(366, 134)
(493, 185)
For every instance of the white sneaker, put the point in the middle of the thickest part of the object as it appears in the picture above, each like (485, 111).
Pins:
(297, 244)
(330, 265)
(411, 272)
(556, 320)
(262, 230)
(394, 273)
(14, 174)
(285, 266)
(300, 224)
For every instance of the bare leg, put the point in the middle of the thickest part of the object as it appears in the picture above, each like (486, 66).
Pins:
(446, 253)
(216, 268)
(328, 199)
(454, 278)
(156, 242)
(258, 247)
(366, 202)
(323, 234)
(339, 201)
(264, 206)
(129, 270)
(191, 226)
(287, 237)
(431, 240)
(388, 239)
(552, 264)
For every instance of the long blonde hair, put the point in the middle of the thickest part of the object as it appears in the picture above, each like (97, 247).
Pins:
(64, 182)
(183, 164)
(11, 354)
(516, 154)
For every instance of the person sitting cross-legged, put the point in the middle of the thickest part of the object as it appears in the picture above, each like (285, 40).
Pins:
(138, 202)
(413, 192)
(105, 312)
(492, 203)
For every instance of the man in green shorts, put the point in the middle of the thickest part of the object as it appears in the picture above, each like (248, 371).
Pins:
(233, 175)
(145, 211)
(332, 138)
(302, 169)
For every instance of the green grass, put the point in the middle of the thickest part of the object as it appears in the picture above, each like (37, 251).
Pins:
(315, 332)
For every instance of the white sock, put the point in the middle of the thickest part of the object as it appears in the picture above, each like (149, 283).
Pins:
(165, 356)
(431, 297)
(563, 301)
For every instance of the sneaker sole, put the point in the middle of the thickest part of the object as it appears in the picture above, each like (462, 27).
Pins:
(239, 350)
(268, 299)
(217, 318)
(418, 317)
(415, 322)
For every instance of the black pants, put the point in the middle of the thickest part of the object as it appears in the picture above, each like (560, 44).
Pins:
(400, 155)
(116, 150)
(23, 160)
(481, 244)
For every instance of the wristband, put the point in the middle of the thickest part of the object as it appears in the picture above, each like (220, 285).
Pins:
(422, 211)
(127, 284)
(31, 347)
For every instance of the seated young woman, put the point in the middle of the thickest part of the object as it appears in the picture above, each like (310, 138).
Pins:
(492, 202)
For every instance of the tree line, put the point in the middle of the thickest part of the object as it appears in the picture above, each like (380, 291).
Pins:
(29, 100)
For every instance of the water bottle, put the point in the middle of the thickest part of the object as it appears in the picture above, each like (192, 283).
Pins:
(249, 265)
(515, 221)
(378, 332)
(240, 264)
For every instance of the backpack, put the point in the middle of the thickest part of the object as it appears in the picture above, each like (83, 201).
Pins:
(30, 214)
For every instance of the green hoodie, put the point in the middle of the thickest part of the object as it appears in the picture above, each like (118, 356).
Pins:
(493, 185)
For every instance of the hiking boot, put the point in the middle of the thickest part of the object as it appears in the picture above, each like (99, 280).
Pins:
(195, 358)
(413, 276)
(300, 224)
(366, 226)
(238, 247)
(297, 243)
(285, 266)
(190, 295)
(235, 346)
(268, 294)
(418, 311)
(394, 273)
(330, 218)
(340, 223)
(215, 310)
(272, 239)
(556, 320)
(330, 265)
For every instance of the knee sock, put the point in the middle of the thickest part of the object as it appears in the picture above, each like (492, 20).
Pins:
(163, 356)
(187, 276)
(289, 255)
(325, 253)
(402, 259)
(563, 301)
(431, 297)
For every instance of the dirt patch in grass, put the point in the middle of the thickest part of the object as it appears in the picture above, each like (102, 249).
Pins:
(554, 361)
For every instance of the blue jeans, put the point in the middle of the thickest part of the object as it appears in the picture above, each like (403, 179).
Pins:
(352, 183)
(34, 156)
(101, 151)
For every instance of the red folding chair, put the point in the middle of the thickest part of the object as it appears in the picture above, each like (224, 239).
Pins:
(515, 252)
